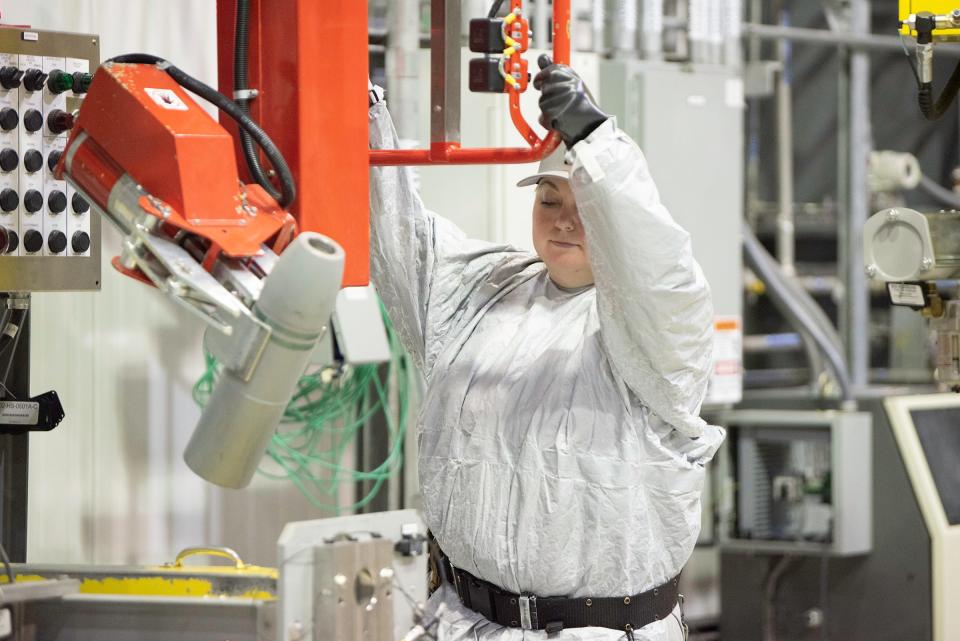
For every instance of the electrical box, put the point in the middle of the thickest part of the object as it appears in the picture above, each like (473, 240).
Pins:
(797, 482)
(52, 235)
(688, 120)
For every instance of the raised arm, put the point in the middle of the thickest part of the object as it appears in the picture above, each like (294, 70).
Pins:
(402, 240)
(656, 316)
(422, 265)
(654, 303)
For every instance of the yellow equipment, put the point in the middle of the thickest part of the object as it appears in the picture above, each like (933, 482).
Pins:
(930, 21)
(910, 8)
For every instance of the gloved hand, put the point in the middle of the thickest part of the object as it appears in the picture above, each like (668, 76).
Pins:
(565, 102)
(374, 93)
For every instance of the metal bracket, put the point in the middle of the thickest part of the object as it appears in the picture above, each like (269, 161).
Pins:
(245, 94)
(240, 350)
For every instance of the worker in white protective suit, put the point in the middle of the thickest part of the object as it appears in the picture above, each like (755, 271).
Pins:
(561, 449)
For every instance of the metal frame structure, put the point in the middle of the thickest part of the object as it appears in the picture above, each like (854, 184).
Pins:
(854, 44)
(445, 146)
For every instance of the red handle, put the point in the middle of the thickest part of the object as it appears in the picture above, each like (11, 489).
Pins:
(451, 153)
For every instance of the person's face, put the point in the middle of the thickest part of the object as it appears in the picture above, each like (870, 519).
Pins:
(558, 234)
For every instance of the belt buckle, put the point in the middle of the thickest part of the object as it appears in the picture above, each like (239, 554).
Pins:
(528, 612)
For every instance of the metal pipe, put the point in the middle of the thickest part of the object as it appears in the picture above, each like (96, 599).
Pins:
(651, 30)
(623, 27)
(698, 30)
(779, 378)
(863, 41)
(819, 285)
(598, 23)
(764, 343)
(714, 32)
(541, 25)
(403, 78)
(785, 217)
(944, 196)
(732, 21)
(857, 295)
(445, 71)
(674, 22)
(788, 299)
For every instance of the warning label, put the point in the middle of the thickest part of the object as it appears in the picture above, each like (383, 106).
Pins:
(906, 294)
(726, 382)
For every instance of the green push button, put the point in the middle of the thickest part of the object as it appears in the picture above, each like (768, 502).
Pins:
(59, 81)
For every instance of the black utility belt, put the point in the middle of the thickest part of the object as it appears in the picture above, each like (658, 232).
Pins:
(554, 614)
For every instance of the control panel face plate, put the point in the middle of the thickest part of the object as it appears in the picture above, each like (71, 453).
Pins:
(52, 234)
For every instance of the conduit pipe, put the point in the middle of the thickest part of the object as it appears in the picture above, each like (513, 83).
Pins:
(623, 28)
(598, 25)
(796, 305)
(944, 196)
(652, 29)
(785, 217)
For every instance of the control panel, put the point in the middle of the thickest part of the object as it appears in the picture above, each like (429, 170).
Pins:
(49, 237)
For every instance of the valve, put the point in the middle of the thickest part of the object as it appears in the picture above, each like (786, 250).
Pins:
(510, 37)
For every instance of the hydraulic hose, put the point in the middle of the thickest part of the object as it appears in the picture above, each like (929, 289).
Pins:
(933, 110)
(788, 301)
(288, 189)
(943, 195)
(240, 84)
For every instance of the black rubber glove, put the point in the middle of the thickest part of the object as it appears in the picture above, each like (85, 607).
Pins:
(565, 102)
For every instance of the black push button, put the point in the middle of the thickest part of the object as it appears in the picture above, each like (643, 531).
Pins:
(33, 241)
(80, 242)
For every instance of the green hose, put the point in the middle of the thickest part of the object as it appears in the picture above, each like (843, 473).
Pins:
(321, 422)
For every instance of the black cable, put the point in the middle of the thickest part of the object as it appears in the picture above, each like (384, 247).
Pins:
(495, 8)
(288, 188)
(241, 83)
(931, 110)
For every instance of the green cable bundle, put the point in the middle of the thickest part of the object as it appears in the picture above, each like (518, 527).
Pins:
(323, 419)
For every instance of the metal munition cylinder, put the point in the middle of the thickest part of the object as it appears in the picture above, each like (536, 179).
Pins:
(241, 415)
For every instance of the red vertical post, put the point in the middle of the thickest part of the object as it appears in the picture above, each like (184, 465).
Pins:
(308, 60)
(561, 30)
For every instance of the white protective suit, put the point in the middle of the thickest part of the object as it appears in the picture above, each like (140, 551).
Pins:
(561, 451)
